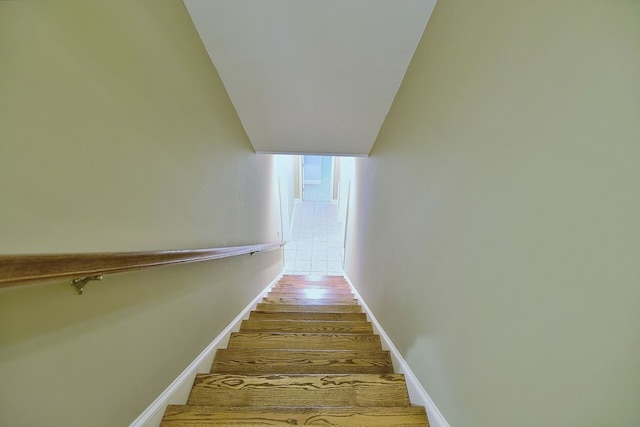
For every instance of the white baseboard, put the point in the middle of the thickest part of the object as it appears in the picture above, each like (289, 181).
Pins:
(417, 393)
(178, 391)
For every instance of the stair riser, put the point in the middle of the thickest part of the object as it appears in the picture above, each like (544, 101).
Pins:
(300, 286)
(326, 283)
(308, 301)
(265, 315)
(329, 308)
(179, 415)
(312, 279)
(324, 299)
(306, 326)
(336, 293)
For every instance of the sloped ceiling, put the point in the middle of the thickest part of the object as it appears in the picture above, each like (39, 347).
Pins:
(311, 76)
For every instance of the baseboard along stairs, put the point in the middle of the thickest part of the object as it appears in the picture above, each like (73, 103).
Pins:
(306, 355)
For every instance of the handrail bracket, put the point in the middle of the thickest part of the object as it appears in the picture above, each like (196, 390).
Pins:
(82, 281)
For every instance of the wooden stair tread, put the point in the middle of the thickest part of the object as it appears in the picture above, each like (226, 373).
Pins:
(315, 326)
(284, 287)
(276, 361)
(301, 288)
(311, 295)
(311, 292)
(295, 315)
(306, 300)
(320, 284)
(340, 308)
(183, 415)
(309, 301)
(304, 341)
(300, 390)
(312, 279)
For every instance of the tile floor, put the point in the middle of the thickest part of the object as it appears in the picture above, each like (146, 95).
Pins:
(315, 246)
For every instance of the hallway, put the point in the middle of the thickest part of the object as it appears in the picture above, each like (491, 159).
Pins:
(315, 247)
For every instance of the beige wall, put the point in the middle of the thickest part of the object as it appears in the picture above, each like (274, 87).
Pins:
(496, 235)
(345, 174)
(115, 135)
(285, 171)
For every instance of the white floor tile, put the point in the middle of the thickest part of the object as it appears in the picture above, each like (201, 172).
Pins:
(318, 265)
(334, 256)
(334, 246)
(322, 246)
(316, 241)
(319, 237)
(334, 265)
(320, 256)
(305, 246)
(303, 265)
(304, 256)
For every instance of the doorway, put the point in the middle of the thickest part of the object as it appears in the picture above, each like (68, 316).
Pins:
(317, 178)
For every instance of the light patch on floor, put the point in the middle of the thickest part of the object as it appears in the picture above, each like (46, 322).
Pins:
(315, 247)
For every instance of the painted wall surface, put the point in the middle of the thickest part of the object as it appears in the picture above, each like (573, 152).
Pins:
(344, 182)
(298, 177)
(117, 135)
(496, 235)
(285, 172)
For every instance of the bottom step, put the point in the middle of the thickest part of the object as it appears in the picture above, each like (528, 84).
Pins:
(181, 415)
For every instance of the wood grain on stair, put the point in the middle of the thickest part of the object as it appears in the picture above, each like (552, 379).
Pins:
(311, 295)
(299, 390)
(325, 298)
(314, 285)
(311, 279)
(305, 341)
(313, 326)
(296, 287)
(182, 415)
(292, 315)
(309, 301)
(311, 292)
(293, 287)
(276, 361)
(327, 308)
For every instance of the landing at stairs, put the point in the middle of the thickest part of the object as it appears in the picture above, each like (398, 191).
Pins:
(307, 355)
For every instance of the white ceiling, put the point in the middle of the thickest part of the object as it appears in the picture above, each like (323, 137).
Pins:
(311, 76)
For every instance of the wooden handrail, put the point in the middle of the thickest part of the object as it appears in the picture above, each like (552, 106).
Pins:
(24, 269)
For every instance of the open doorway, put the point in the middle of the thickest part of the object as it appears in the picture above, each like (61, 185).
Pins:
(315, 246)
(317, 178)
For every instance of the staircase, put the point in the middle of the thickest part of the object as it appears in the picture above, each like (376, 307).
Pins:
(305, 356)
